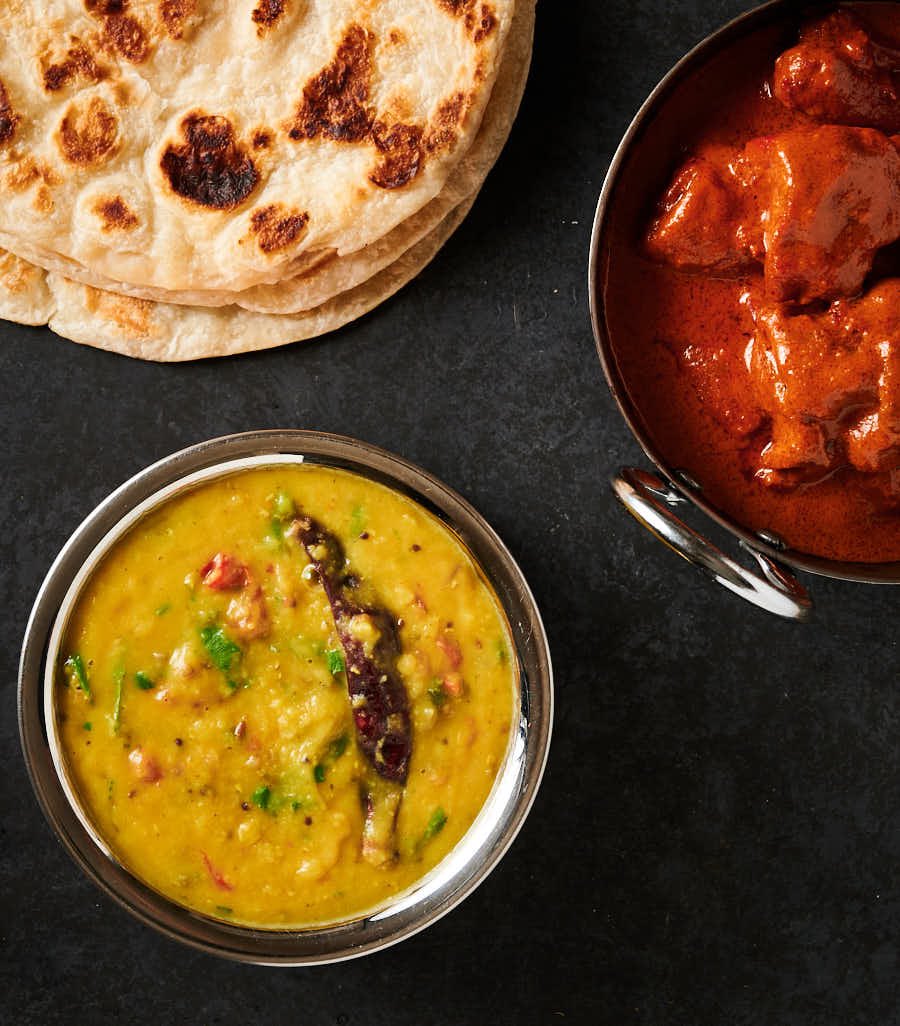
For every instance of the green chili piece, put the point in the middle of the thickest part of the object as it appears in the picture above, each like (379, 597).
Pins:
(357, 520)
(118, 680)
(283, 511)
(78, 675)
(435, 824)
(283, 506)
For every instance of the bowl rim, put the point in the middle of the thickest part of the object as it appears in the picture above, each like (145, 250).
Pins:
(497, 823)
(770, 12)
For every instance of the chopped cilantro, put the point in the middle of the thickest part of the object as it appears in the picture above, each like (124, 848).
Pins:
(163, 609)
(335, 660)
(78, 675)
(143, 680)
(224, 910)
(319, 772)
(296, 804)
(261, 796)
(87, 725)
(435, 825)
(437, 694)
(221, 650)
(220, 647)
(501, 652)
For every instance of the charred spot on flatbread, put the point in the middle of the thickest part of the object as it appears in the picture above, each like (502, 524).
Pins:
(482, 24)
(100, 8)
(126, 35)
(122, 33)
(444, 127)
(26, 172)
(209, 168)
(400, 149)
(262, 139)
(8, 117)
(403, 148)
(478, 17)
(78, 62)
(88, 133)
(266, 14)
(335, 100)
(115, 214)
(275, 227)
(178, 16)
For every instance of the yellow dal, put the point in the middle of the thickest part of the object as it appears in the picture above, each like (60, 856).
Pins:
(298, 860)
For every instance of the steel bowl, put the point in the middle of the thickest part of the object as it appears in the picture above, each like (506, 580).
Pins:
(651, 496)
(469, 862)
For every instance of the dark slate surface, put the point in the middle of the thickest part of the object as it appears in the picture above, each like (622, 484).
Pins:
(717, 839)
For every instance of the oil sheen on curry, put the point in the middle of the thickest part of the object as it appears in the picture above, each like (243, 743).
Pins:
(753, 303)
(284, 696)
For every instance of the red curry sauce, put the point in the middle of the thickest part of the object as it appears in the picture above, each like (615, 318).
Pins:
(752, 283)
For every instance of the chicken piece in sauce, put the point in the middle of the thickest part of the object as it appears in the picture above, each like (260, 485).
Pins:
(718, 375)
(708, 220)
(829, 382)
(832, 199)
(838, 73)
(813, 205)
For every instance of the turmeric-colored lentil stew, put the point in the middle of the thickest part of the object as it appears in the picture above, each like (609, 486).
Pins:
(219, 714)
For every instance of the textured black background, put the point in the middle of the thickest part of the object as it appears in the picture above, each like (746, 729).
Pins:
(717, 838)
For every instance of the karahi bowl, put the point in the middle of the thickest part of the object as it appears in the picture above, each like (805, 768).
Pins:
(637, 176)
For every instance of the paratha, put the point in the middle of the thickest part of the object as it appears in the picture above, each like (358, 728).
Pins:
(221, 144)
(168, 332)
(335, 274)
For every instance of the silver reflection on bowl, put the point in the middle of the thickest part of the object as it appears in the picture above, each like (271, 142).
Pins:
(462, 869)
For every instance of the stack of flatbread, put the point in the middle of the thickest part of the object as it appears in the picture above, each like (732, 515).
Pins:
(190, 178)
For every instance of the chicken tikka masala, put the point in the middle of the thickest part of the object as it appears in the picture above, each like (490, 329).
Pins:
(755, 314)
